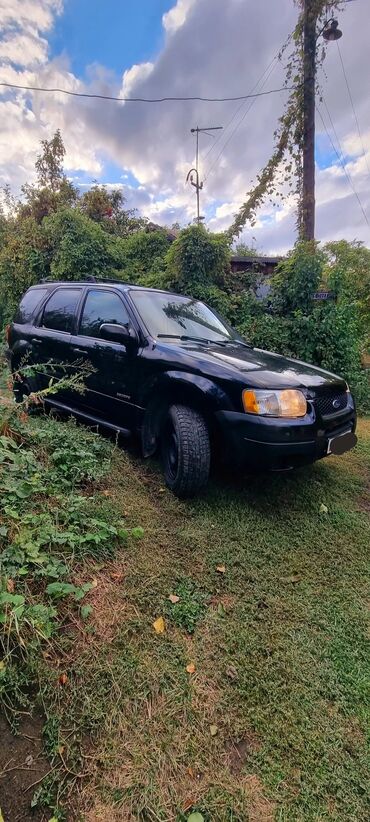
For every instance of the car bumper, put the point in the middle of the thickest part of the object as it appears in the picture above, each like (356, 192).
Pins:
(280, 443)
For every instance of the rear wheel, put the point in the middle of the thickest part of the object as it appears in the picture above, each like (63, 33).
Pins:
(23, 387)
(186, 452)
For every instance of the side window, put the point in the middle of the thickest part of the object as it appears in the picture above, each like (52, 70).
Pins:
(59, 311)
(28, 304)
(101, 307)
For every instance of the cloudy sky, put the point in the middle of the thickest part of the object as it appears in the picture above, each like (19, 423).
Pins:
(209, 48)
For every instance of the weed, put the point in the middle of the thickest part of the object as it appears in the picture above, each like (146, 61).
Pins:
(189, 610)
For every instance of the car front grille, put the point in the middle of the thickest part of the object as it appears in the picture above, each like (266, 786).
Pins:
(332, 403)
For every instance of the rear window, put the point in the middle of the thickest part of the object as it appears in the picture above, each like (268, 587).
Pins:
(60, 309)
(28, 305)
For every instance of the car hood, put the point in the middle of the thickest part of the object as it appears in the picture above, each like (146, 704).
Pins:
(256, 367)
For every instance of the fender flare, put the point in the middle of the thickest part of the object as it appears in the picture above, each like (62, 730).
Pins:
(199, 388)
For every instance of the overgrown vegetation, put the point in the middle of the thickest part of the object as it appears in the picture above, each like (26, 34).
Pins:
(331, 334)
(54, 521)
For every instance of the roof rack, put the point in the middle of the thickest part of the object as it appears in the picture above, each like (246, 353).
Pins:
(108, 280)
(85, 279)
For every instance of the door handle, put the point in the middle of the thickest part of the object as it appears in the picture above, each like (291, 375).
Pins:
(79, 351)
(35, 341)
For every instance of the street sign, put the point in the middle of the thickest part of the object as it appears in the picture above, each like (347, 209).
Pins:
(324, 295)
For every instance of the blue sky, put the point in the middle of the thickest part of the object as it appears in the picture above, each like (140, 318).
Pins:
(113, 33)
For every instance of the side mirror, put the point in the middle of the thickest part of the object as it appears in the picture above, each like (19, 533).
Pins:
(118, 333)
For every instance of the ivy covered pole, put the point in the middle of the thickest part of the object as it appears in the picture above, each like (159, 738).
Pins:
(310, 13)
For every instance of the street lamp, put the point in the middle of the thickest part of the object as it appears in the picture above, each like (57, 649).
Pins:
(331, 31)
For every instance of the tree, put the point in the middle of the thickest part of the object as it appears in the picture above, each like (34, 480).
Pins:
(198, 259)
(80, 247)
(347, 273)
(24, 260)
(144, 253)
(53, 189)
(49, 164)
(107, 208)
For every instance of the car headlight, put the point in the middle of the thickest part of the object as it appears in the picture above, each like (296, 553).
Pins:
(287, 403)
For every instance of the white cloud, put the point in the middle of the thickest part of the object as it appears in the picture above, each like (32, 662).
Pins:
(133, 76)
(175, 17)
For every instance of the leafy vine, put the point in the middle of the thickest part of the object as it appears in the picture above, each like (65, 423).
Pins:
(289, 133)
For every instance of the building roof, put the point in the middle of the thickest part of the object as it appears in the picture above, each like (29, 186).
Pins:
(236, 258)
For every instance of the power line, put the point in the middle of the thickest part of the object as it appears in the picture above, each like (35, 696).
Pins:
(342, 161)
(148, 99)
(236, 128)
(241, 106)
(353, 108)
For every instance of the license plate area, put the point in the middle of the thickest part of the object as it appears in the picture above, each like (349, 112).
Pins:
(341, 443)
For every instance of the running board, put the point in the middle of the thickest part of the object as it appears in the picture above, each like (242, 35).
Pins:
(125, 432)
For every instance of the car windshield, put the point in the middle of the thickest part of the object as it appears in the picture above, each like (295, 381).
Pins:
(167, 315)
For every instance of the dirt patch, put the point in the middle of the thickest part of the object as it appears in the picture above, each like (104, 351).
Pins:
(239, 752)
(21, 765)
(260, 808)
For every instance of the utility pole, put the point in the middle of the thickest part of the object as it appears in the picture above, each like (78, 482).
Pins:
(330, 32)
(309, 77)
(198, 185)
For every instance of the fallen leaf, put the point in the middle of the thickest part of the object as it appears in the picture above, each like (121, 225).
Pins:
(53, 819)
(2, 665)
(94, 583)
(173, 598)
(323, 509)
(213, 729)
(63, 679)
(195, 817)
(221, 569)
(159, 625)
(1, 816)
(190, 668)
(10, 586)
(117, 576)
(61, 750)
(106, 493)
(231, 672)
(28, 760)
(191, 773)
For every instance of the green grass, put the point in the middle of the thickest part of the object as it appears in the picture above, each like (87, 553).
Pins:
(279, 642)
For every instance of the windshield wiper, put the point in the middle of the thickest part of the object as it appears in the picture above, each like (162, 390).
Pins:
(184, 337)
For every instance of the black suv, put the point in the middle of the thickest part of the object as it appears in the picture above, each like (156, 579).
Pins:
(171, 368)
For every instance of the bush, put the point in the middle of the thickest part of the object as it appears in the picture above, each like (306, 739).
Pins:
(328, 334)
(198, 261)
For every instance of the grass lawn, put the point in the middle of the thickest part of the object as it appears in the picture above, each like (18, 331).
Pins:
(270, 721)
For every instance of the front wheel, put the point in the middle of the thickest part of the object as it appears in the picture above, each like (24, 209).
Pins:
(186, 452)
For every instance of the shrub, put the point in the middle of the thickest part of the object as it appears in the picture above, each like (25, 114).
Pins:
(198, 261)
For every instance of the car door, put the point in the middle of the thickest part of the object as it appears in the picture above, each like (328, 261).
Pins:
(111, 385)
(51, 336)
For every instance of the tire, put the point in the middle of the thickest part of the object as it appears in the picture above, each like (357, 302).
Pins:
(185, 450)
(22, 389)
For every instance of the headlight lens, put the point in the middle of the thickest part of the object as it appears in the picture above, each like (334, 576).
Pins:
(287, 403)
